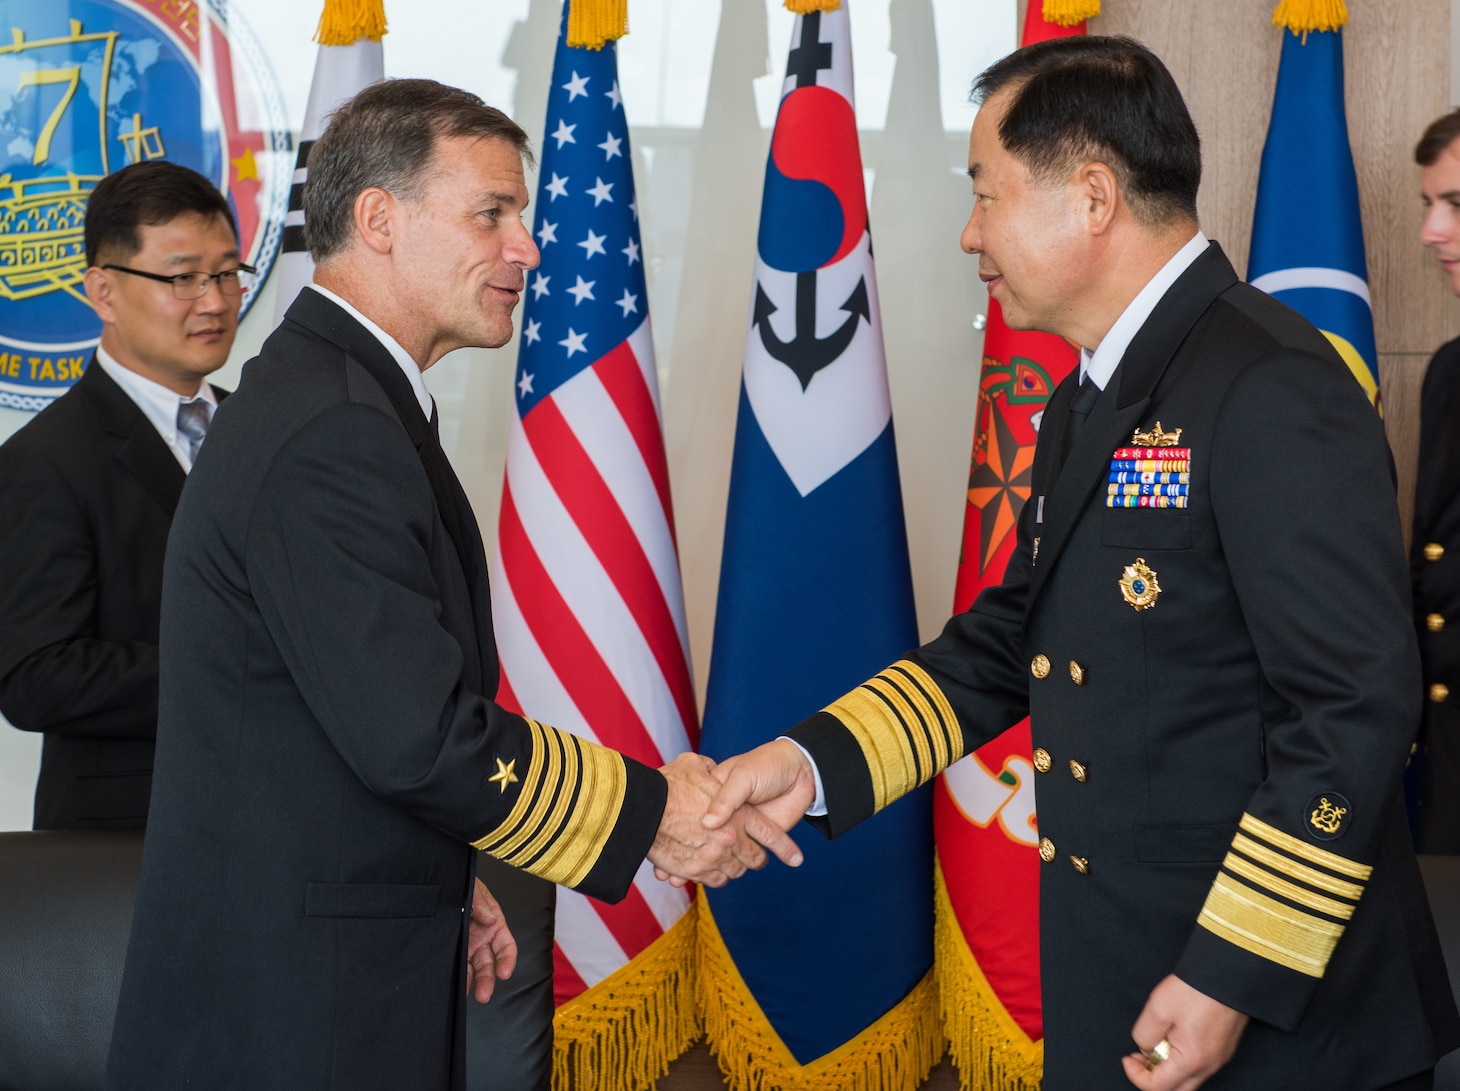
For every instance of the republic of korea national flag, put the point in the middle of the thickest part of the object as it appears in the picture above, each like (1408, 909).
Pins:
(340, 71)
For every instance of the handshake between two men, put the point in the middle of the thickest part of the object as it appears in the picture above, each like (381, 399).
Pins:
(721, 819)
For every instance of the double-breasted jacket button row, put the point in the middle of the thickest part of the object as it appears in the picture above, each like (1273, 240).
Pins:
(1040, 667)
(1048, 853)
(1043, 763)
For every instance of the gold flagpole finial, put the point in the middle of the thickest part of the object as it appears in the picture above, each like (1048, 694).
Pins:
(1068, 13)
(345, 22)
(1303, 16)
(591, 23)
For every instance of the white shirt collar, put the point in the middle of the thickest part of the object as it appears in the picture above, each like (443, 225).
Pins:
(157, 402)
(1100, 365)
(401, 356)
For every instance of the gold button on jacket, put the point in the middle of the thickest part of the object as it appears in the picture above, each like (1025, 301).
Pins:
(1042, 761)
(1039, 667)
(1077, 673)
(1434, 622)
(1439, 692)
(1082, 865)
(1434, 551)
(1078, 771)
(1046, 849)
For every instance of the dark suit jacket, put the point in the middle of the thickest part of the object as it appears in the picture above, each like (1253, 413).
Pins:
(1435, 570)
(87, 492)
(1187, 748)
(327, 750)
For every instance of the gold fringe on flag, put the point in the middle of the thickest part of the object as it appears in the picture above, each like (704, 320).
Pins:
(1068, 13)
(593, 22)
(1302, 16)
(896, 1053)
(806, 7)
(345, 22)
(621, 1034)
(991, 1051)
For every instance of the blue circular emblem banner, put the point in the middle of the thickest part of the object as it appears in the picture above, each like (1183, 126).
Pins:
(86, 87)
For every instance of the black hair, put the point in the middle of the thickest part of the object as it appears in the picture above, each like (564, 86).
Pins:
(152, 192)
(1109, 99)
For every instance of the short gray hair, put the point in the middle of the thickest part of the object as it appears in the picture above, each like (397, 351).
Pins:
(386, 137)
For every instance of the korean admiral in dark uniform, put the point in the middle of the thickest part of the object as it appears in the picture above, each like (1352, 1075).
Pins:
(88, 489)
(1207, 619)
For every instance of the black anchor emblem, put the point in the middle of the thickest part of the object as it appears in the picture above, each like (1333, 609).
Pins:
(804, 354)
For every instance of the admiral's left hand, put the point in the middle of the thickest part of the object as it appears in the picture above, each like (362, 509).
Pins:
(1201, 1033)
(491, 952)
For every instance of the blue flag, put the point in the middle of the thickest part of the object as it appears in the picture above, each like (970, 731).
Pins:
(815, 597)
(1307, 236)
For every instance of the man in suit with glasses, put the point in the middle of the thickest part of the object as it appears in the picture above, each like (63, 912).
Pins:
(88, 488)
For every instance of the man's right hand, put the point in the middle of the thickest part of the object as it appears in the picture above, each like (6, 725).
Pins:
(688, 849)
(775, 778)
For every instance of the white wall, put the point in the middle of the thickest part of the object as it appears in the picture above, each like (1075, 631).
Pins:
(700, 87)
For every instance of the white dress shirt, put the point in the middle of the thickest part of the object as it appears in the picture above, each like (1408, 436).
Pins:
(1100, 365)
(402, 358)
(158, 403)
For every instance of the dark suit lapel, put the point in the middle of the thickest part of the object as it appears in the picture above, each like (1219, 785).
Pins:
(1123, 404)
(139, 448)
(324, 318)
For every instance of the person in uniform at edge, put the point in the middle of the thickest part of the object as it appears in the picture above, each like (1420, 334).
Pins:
(1435, 554)
(1207, 618)
(88, 488)
(328, 751)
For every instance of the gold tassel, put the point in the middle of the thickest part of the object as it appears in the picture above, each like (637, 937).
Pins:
(593, 22)
(1302, 16)
(896, 1053)
(1068, 13)
(621, 1034)
(806, 7)
(345, 22)
(990, 1050)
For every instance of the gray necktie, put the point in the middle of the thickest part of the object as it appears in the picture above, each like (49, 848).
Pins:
(192, 424)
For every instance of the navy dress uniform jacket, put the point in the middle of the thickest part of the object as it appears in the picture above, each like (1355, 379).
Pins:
(1221, 768)
(328, 753)
(87, 493)
(1435, 569)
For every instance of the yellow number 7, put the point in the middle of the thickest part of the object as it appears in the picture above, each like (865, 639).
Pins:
(38, 77)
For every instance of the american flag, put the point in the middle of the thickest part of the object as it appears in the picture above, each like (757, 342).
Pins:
(586, 594)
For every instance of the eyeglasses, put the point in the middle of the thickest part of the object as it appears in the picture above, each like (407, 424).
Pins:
(190, 286)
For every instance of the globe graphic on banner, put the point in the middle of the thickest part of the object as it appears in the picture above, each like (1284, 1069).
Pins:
(87, 87)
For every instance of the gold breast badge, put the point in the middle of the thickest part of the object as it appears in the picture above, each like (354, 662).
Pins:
(1138, 585)
(1156, 437)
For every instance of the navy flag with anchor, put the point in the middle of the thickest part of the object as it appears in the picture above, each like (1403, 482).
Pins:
(815, 596)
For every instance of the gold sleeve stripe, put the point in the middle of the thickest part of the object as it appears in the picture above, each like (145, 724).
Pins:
(1291, 891)
(1312, 853)
(1286, 865)
(569, 802)
(1267, 928)
(949, 738)
(905, 727)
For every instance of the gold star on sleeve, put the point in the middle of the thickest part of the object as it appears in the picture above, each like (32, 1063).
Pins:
(504, 775)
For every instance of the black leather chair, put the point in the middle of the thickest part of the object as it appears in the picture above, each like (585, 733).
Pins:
(1442, 883)
(65, 915)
